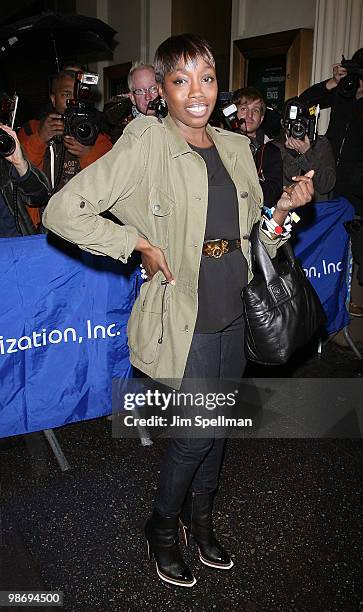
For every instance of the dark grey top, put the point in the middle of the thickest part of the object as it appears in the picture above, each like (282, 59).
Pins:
(220, 280)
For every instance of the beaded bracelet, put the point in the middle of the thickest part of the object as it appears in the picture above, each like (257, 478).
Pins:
(273, 229)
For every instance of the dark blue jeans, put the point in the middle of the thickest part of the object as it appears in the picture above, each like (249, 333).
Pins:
(196, 462)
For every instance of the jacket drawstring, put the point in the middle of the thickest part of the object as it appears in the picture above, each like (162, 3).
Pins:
(165, 283)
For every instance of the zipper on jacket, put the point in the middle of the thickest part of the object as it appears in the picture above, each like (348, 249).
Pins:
(16, 209)
(342, 143)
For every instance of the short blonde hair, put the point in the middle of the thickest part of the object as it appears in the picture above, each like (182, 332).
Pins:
(137, 66)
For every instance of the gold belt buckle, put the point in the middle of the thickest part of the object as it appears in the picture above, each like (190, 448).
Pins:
(218, 249)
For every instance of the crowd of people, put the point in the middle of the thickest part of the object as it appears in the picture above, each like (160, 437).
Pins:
(175, 185)
(336, 157)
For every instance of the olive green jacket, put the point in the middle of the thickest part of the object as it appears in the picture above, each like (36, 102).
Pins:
(157, 187)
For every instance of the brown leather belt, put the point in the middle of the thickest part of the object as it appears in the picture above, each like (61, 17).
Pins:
(220, 246)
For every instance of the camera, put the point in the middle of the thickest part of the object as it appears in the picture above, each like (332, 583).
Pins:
(300, 121)
(81, 120)
(118, 109)
(7, 115)
(159, 106)
(226, 112)
(349, 84)
(231, 121)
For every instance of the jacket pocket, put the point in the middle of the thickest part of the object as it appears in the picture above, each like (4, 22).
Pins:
(143, 331)
(161, 208)
(145, 328)
(256, 194)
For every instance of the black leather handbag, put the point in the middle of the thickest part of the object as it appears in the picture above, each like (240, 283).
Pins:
(282, 310)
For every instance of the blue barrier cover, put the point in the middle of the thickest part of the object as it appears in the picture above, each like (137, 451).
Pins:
(322, 245)
(63, 319)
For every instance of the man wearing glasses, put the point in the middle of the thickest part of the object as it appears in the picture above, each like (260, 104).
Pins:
(143, 88)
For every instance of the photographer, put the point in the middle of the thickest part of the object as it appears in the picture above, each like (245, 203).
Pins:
(345, 132)
(143, 88)
(301, 150)
(21, 184)
(251, 110)
(46, 145)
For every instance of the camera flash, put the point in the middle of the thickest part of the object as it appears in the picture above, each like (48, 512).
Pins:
(293, 112)
(229, 110)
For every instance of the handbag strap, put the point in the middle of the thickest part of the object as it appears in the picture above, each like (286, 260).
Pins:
(263, 259)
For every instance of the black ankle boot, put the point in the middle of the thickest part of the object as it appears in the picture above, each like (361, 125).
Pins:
(163, 543)
(196, 521)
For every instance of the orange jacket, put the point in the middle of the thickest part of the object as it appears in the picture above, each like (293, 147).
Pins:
(34, 148)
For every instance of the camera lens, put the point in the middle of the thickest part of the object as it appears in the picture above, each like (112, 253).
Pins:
(86, 133)
(298, 129)
(82, 127)
(7, 144)
(349, 85)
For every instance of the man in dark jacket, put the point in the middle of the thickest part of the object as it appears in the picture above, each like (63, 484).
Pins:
(21, 184)
(251, 109)
(345, 133)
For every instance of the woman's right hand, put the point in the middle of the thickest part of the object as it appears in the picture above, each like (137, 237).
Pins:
(153, 260)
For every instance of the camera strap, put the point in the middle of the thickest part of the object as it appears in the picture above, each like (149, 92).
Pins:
(259, 163)
(257, 146)
(52, 163)
(347, 125)
(56, 162)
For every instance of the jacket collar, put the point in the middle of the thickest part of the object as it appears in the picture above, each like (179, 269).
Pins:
(179, 146)
(221, 141)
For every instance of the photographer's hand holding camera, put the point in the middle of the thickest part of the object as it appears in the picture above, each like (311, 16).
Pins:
(76, 148)
(52, 145)
(21, 184)
(300, 146)
(340, 73)
(16, 158)
(51, 126)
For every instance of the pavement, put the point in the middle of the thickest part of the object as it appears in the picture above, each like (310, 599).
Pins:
(288, 510)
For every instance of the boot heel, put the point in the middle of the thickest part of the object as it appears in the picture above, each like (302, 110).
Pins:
(198, 525)
(162, 542)
(185, 534)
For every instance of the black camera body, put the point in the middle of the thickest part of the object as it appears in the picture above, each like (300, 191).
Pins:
(349, 84)
(226, 112)
(159, 106)
(231, 120)
(300, 121)
(81, 118)
(7, 115)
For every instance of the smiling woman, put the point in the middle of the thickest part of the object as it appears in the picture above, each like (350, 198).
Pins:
(188, 84)
(190, 92)
(187, 197)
